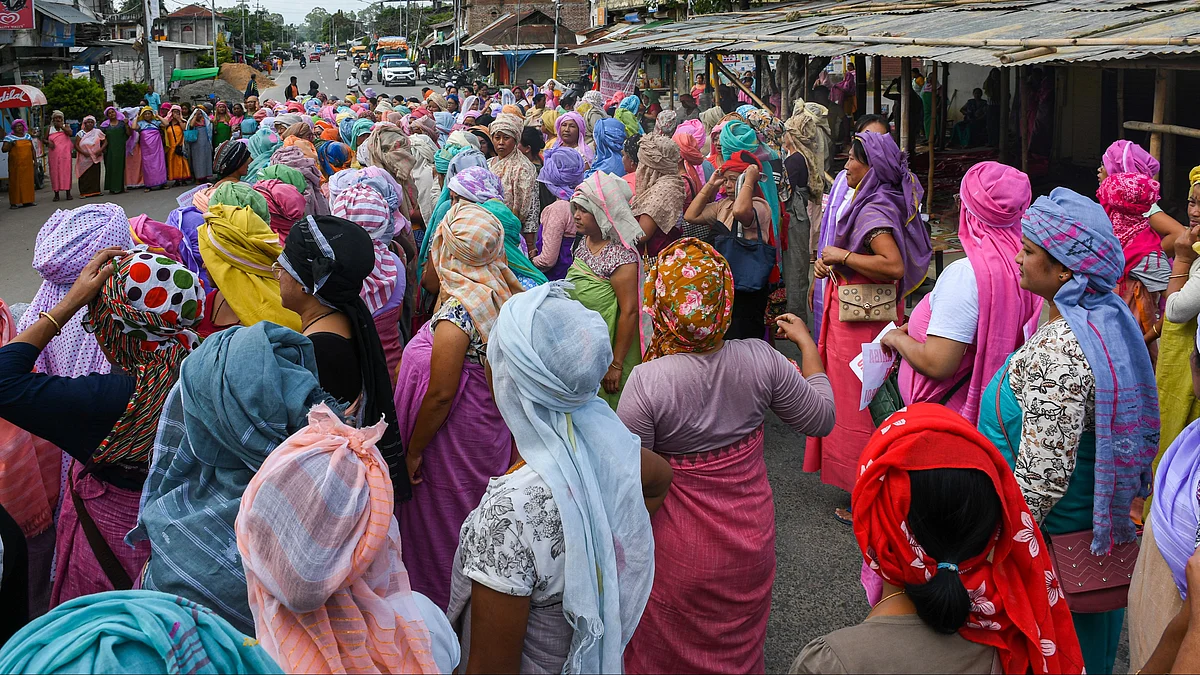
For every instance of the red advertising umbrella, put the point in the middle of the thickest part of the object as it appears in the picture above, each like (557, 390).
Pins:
(20, 96)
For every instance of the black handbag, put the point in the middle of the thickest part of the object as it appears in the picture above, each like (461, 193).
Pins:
(751, 261)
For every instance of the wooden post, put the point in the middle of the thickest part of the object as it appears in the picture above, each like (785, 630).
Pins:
(804, 85)
(905, 101)
(933, 125)
(860, 91)
(1120, 103)
(943, 114)
(674, 75)
(713, 79)
(1160, 112)
(1023, 119)
(785, 86)
(877, 83)
(1005, 105)
(740, 85)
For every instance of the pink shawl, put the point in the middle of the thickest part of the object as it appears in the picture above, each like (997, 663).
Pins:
(994, 197)
(1125, 198)
(89, 148)
(159, 237)
(285, 204)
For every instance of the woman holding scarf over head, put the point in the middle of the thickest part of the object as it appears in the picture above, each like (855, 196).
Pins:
(700, 402)
(878, 239)
(116, 137)
(658, 200)
(89, 149)
(456, 439)
(970, 583)
(133, 151)
(804, 166)
(606, 272)
(292, 157)
(140, 308)
(200, 150)
(1126, 198)
(178, 167)
(517, 174)
(59, 147)
(1074, 409)
(561, 174)
(580, 477)
(959, 335)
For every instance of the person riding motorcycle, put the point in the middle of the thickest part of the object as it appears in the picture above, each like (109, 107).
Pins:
(364, 69)
(303, 61)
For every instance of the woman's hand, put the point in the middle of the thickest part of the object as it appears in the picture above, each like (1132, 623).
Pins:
(752, 174)
(91, 279)
(413, 460)
(612, 379)
(892, 337)
(791, 328)
(820, 269)
(833, 255)
(1184, 242)
(50, 144)
(716, 178)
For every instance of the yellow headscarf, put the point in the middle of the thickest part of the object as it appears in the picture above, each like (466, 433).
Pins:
(1194, 176)
(238, 249)
(548, 120)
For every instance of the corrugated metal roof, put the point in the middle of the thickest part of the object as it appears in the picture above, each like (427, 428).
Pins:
(942, 30)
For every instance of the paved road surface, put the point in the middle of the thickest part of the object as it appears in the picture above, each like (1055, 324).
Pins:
(816, 587)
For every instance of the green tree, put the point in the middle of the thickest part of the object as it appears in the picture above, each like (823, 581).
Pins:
(224, 54)
(75, 97)
(129, 93)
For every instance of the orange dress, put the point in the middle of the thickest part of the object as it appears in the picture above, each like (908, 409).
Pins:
(20, 173)
(177, 165)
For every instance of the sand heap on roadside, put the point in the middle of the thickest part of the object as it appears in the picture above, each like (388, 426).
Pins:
(238, 75)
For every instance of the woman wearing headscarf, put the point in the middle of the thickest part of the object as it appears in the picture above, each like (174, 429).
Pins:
(285, 205)
(200, 150)
(970, 585)
(627, 114)
(89, 148)
(133, 631)
(237, 113)
(562, 173)
(423, 152)
(1074, 409)
(690, 161)
(18, 145)
(175, 144)
(879, 242)
(334, 156)
(592, 115)
(578, 474)
(959, 335)
(666, 123)
(1129, 157)
(222, 129)
(57, 138)
(140, 308)
(240, 395)
(659, 194)
(300, 135)
(339, 601)
(606, 272)
(568, 133)
(133, 150)
(262, 145)
(238, 250)
(740, 136)
(464, 158)
(744, 211)
(455, 437)
(1126, 198)
(231, 162)
(804, 169)
(610, 143)
(294, 158)
(517, 175)
(116, 137)
(700, 401)
(236, 193)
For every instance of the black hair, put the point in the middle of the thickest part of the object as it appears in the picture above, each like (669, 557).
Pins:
(532, 139)
(539, 99)
(866, 120)
(631, 147)
(485, 120)
(485, 143)
(859, 152)
(953, 515)
(977, 89)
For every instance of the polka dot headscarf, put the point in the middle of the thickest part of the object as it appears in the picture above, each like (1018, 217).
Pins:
(142, 319)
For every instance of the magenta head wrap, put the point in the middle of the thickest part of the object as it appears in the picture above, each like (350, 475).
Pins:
(574, 117)
(284, 202)
(1129, 157)
(695, 129)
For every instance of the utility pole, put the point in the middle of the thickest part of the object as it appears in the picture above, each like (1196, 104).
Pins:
(242, 4)
(554, 68)
(517, 51)
(216, 64)
(151, 49)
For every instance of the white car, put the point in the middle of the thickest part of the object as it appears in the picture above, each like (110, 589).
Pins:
(341, 55)
(396, 70)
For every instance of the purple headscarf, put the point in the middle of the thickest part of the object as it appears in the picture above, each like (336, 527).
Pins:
(188, 219)
(1176, 507)
(1129, 157)
(65, 244)
(477, 184)
(120, 117)
(888, 198)
(295, 158)
(562, 171)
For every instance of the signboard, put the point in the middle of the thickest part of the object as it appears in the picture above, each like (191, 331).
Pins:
(20, 96)
(55, 34)
(16, 14)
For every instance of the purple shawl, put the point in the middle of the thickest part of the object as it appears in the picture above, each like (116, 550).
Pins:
(1176, 506)
(188, 219)
(888, 198)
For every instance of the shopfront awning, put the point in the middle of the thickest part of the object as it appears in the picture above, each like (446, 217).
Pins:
(21, 96)
(64, 13)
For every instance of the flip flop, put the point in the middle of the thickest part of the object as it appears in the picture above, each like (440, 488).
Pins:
(841, 519)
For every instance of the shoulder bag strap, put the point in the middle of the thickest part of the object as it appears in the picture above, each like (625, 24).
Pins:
(957, 385)
(1000, 415)
(117, 576)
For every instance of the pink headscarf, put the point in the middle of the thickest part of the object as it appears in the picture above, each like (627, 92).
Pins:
(692, 158)
(1129, 157)
(1126, 197)
(159, 237)
(324, 576)
(285, 204)
(994, 197)
(695, 129)
(363, 205)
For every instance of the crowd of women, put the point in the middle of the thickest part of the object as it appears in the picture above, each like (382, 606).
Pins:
(530, 339)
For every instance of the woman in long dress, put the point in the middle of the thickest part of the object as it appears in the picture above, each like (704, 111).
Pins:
(89, 149)
(133, 150)
(154, 156)
(19, 146)
(201, 149)
(58, 144)
(178, 171)
(116, 133)
(222, 124)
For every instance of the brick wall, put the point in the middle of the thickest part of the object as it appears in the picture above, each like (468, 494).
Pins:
(480, 13)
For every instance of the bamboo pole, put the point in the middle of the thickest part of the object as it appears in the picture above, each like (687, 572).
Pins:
(933, 125)
(943, 112)
(1160, 112)
(740, 85)
(1005, 106)
(1023, 119)
(1026, 54)
(1120, 103)
(1163, 128)
(785, 86)
(905, 103)
(877, 83)
(713, 79)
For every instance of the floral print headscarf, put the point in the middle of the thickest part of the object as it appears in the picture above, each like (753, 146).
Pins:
(689, 297)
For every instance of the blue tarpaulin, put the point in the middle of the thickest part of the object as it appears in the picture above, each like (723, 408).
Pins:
(517, 58)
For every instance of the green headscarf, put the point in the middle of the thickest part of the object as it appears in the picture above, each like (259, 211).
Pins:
(361, 126)
(286, 174)
(518, 262)
(234, 193)
(632, 126)
(738, 136)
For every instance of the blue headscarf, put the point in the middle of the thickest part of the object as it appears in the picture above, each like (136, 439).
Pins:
(247, 389)
(444, 122)
(1076, 232)
(346, 130)
(630, 103)
(548, 354)
(465, 158)
(360, 126)
(743, 109)
(332, 154)
(132, 632)
(609, 135)
(262, 145)
(518, 262)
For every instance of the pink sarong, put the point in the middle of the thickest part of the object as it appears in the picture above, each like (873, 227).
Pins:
(133, 167)
(60, 161)
(387, 324)
(836, 455)
(115, 512)
(472, 446)
(714, 564)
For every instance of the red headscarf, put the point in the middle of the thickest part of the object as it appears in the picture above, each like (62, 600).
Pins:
(1016, 603)
(692, 158)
